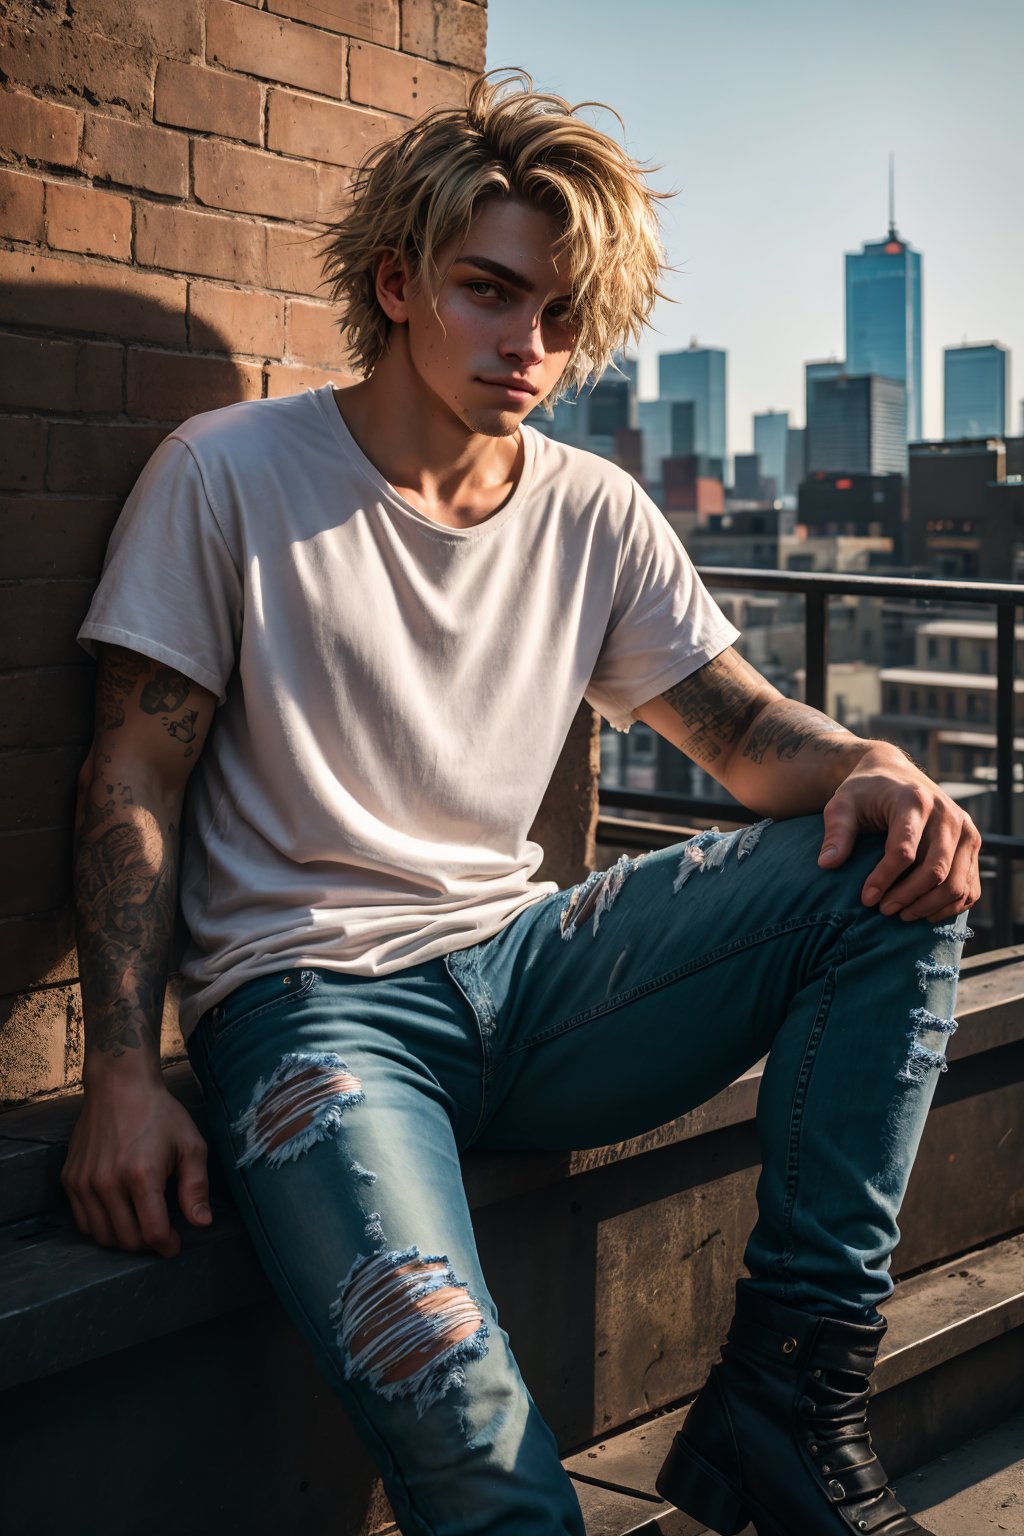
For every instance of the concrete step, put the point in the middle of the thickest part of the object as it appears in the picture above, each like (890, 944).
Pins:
(944, 1318)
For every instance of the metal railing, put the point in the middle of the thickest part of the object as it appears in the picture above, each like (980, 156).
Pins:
(817, 588)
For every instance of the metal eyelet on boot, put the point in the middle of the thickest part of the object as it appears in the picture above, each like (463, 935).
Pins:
(837, 1490)
(814, 1449)
(825, 1471)
(788, 1346)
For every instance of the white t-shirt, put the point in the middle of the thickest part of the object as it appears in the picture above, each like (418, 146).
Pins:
(394, 694)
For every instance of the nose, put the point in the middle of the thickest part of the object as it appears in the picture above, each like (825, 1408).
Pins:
(524, 340)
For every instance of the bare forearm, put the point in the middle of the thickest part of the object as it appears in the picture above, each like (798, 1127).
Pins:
(125, 893)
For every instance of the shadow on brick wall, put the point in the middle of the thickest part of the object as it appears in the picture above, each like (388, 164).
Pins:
(73, 440)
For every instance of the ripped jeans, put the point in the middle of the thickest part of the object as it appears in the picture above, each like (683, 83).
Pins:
(340, 1106)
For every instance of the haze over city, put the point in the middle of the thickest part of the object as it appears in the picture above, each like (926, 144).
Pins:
(774, 126)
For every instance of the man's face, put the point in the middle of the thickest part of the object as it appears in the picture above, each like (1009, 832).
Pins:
(500, 337)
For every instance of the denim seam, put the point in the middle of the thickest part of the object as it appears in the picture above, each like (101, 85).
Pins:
(667, 978)
(484, 1048)
(810, 1056)
(300, 1307)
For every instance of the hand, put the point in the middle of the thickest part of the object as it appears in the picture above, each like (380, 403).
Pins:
(130, 1138)
(930, 866)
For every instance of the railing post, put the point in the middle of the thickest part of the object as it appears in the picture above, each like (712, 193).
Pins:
(815, 648)
(1006, 627)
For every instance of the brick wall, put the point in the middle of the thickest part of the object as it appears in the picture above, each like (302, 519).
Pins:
(162, 169)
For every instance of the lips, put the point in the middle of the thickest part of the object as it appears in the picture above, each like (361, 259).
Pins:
(515, 386)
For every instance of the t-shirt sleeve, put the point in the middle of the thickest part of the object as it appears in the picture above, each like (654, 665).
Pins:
(664, 623)
(171, 585)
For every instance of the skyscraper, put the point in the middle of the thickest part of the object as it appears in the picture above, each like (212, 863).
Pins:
(668, 433)
(976, 386)
(698, 374)
(770, 429)
(860, 426)
(883, 315)
(813, 372)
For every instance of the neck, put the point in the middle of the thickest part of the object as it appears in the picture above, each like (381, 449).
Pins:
(448, 472)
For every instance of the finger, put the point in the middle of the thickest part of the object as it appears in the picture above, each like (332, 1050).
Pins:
(901, 847)
(935, 861)
(97, 1222)
(840, 832)
(78, 1212)
(956, 891)
(155, 1222)
(193, 1186)
(121, 1214)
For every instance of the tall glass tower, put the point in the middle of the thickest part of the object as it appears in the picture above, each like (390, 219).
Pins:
(883, 315)
(976, 389)
(698, 374)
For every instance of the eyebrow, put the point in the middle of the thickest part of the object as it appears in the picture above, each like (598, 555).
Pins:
(497, 269)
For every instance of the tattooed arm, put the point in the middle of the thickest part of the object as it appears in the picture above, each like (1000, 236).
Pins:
(151, 723)
(782, 758)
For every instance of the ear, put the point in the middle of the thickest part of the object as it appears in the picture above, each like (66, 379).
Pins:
(391, 281)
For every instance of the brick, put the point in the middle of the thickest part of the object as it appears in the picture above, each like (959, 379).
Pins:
(88, 220)
(33, 1039)
(207, 244)
(48, 375)
(38, 130)
(294, 260)
(250, 181)
(22, 453)
(260, 44)
(37, 865)
(39, 621)
(291, 378)
(98, 458)
(46, 707)
(453, 31)
(398, 82)
(313, 335)
(70, 61)
(322, 130)
(75, 295)
(21, 206)
(208, 100)
(334, 184)
(37, 788)
(37, 951)
(170, 30)
(235, 320)
(135, 155)
(169, 386)
(374, 20)
(54, 536)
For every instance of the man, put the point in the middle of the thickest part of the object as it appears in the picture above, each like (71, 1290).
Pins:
(358, 623)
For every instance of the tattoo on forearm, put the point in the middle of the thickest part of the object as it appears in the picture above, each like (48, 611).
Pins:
(788, 728)
(716, 705)
(126, 889)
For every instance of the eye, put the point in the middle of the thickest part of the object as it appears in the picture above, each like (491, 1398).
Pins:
(484, 289)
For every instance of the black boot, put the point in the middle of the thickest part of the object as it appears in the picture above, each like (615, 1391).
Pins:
(779, 1435)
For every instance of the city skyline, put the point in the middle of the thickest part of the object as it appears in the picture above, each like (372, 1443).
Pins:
(774, 126)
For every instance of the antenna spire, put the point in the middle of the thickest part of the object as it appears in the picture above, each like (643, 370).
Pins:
(892, 196)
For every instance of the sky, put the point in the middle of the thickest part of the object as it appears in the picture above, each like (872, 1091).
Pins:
(772, 122)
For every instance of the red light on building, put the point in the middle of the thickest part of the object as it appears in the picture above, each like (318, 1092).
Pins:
(894, 248)
(844, 485)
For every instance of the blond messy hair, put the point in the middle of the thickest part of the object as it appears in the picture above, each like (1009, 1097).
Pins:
(414, 193)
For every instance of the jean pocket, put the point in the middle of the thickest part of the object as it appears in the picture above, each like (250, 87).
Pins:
(255, 1000)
